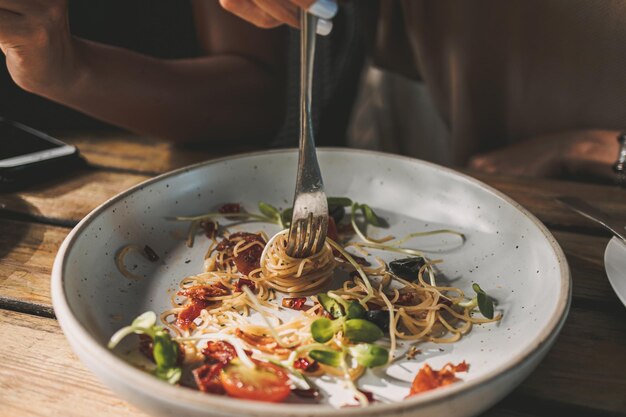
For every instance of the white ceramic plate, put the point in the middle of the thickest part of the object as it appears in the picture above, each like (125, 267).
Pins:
(508, 251)
(615, 265)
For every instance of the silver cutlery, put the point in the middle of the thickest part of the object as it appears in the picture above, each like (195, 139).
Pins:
(592, 213)
(309, 221)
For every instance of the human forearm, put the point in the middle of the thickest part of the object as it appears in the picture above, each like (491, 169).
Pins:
(211, 98)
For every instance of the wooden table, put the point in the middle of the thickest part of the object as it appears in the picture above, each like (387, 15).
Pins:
(583, 375)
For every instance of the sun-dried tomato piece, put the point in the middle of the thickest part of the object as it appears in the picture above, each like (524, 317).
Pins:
(207, 378)
(331, 232)
(428, 379)
(294, 303)
(230, 208)
(247, 282)
(210, 228)
(407, 298)
(190, 312)
(205, 291)
(265, 344)
(219, 352)
(249, 259)
(306, 364)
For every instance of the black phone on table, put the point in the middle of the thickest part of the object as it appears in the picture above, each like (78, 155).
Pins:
(28, 155)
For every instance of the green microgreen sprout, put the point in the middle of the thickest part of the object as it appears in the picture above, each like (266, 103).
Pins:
(164, 349)
(270, 212)
(482, 300)
(350, 317)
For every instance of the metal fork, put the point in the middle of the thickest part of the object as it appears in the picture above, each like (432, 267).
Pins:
(309, 222)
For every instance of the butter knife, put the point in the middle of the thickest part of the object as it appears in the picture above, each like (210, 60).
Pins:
(592, 213)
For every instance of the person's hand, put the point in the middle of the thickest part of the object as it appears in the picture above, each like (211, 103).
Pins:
(585, 153)
(36, 39)
(273, 13)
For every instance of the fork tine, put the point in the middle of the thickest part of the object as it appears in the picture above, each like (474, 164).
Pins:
(301, 237)
(321, 234)
(312, 227)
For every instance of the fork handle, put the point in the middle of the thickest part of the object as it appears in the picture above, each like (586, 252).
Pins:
(309, 177)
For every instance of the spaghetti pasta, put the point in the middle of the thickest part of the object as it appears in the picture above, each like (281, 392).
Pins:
(246, 272)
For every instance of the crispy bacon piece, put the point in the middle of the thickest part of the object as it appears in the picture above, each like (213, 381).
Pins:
(207, 378)
(190, 312)
(306, 364)
(219, 352)
(265, 344)
(241, 282)
(205, 291)
(294, 303)
(428, 379)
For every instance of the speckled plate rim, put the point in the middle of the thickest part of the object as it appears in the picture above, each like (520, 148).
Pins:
(75, 331)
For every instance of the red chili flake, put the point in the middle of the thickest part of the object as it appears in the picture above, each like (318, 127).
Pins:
(241, 282)
(210, 228)
(306, 365)
(150, 254)
(204, 291)
(306, 393)
(428, 379)
(219, 352)
(207, 378)
(294, 303)
(190, 312)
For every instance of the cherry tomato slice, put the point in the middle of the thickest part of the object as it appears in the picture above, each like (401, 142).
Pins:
(265, 382)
